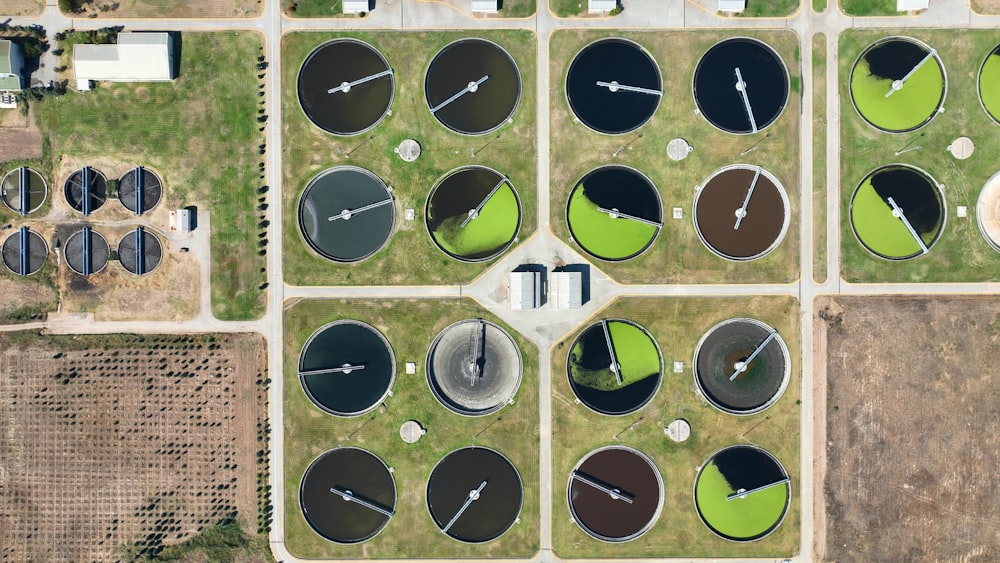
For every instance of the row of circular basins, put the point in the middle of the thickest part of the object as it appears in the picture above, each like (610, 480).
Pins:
(740, 86)
(741, 367)
(474, 368)
(898, 85)
(86, 250)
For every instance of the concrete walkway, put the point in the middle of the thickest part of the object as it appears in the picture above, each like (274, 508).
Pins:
(542, 327)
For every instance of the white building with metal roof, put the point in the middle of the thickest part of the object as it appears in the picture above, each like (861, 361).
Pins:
(732, 5)
(137, 57)
(911, 5)
(354, 6)
(485, 6)
(597, 6)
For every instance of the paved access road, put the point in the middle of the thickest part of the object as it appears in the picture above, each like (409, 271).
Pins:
(542, 247)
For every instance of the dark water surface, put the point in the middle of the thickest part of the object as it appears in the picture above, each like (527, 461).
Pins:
(358, 471)
(328, 195)
(715, 215)
(352, 343)
(611, 519)
(596, 356)
(37, 252)
(36, 190)
(330, 65)
(613, 60)
(715, 364)
(100, 252)
(73, 189)
(152, 252)
(465, 61)
(499, 502)
(895, 58)
(914, 193)
(715, 84)
(129, 195)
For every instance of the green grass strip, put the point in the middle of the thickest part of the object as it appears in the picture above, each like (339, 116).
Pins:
(905, 109)
(602, 235)
(740, 517)
(495, 226)
(989, 85)
(873, 220)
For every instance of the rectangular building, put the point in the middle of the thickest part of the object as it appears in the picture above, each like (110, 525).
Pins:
(732, 5)
(525, 290)
(566, 290)
(137, 57)
(485, 6)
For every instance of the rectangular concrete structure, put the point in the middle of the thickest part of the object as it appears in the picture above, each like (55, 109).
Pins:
(732, 5)
(566, 290)
(485, 6)
(596, 6)
(525, 290)
(137, 57)
(910, 5)
(355, 6)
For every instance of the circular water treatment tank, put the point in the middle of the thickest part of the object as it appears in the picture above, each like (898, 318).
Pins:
(87, 252)
(613, 86)
(741, 212)
(24, 252)
(989, 84)
(140, 252)
(614, 367)
(615, 493)
(474, 367)
(473, 214)
(90, 181)
(347, 495)
(742, 493)
(474, 494)
(741, 85)
(347, 368)
(898, 212)
(345, 86)
(746, 349)
(23, 190)
(346, 214)
(614, 213)
(472, 86)
(988, 211)
(898, 84)
(139, 190)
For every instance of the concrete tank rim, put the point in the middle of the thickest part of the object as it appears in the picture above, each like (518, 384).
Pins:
(392, 367)
(45, 184)
(437, 394)
(94, 232)
(30, 233)
(785, 378)
(159, 240)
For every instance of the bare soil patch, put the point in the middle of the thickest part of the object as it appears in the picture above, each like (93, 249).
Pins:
(23, 301)
(20, 138)
(173, 9)
(991, 7)
(912, 428)
(123, 444)
(22, 7)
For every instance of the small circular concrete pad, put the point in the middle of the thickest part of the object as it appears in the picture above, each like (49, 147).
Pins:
(408, 150)
(962, 148)
(411, 431)
(474, 367)
(678, 149)
(678, 430)
(988, 211)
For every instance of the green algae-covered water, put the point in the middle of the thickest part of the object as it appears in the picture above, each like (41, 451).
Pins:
(908, 108)
(639, 361)
(742, 468)
(494, 227)
(614, 188)
(874, 223)
(989, 84)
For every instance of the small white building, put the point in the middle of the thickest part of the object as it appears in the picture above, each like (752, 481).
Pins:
(180, 221)
(524, 290)
(566, 290)
(355, 6)
(137, 57)
(485, 6)
(732, 6)
(911, 5)
(598, 6)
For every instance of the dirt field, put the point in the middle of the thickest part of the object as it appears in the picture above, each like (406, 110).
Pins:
(22, 301)
(125, 444)
(20, 138)
(175, 8)
(912, 419)
(985, 6)
(22, 7)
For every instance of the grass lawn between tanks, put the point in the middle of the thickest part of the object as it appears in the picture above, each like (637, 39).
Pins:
(410, 327)
(819, 158)
(961, 253)
(677, 325)
(410, 256)
(677, 255)
(202, 146)
(869, 8)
